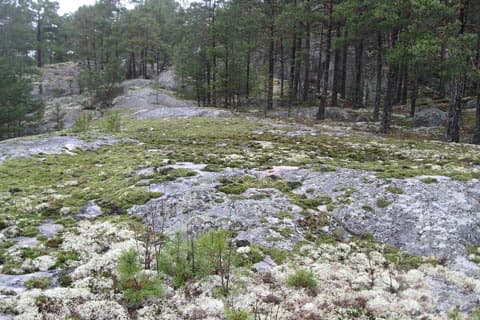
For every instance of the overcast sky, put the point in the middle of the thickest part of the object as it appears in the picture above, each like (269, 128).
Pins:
(69, 6)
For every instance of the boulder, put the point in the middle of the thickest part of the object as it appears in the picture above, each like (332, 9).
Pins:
(167, 80)
(90, 211)
(430, 117)
(347, 115)
(471, 104)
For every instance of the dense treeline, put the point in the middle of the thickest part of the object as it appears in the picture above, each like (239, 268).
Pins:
(270, 53)
(367, 52)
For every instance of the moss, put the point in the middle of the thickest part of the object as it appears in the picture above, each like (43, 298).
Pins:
(394, 190)
(65, 280)
(3, 248)
(38, 283)
(231, 314)
(32, 252)
(274, 239)
(474, 253)
(429, 180)
(277, 255)
(11, 266)
(66, 222)
(247, 260)
(303, 279)
(310, 203)
(65, 256)
(241, 184)
(330, 207)
(404, 260)
(54, 243)
(325, 239)
(170, 174)
(29, 231)
(213, 168)
(286, 232)
(393, 255)
(383, 203)
(368, 208)
(285, 215)
(314, 223)
(122, 200)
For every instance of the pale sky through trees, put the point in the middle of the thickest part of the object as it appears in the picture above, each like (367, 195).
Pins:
(69, 6)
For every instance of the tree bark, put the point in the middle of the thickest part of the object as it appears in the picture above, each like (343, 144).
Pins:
(209, 82)
(214, 66)
(358, 92)
(226, 85)
(320, 63)
(271, 57)
(306, 80)
(443, 57)
(455, 110)
(336, 71)
(247, 84)
(282, 69)
(458, 89)
(378, 90)
(391, 89)
(398, 96)
(298, 65)
(414, 95)
(293, 58)
(39, 44)
(389, 99)
(405, 85)
(476, 132)
(323, 98)
(343, 84)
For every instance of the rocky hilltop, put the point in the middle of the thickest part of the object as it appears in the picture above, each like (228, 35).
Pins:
(163, 210)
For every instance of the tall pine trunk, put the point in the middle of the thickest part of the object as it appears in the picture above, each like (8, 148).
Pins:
(293, 58)
(323, 97)
(455, 110)
(405, 85)
(282, 69)
(247, 80)
(271, 57)
(443, 57)
(320, 63)
(336, 71)
(476, 132)
(378, 89)
(414, 95)
(214, 66)
(306, 81)
(39, 54)
(458, 90)
(358, 92)
(209, 82)
(343, 81)
(391, 89)
(298, 65)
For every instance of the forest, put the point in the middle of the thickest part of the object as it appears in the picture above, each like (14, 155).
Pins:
(240, 160)
(355, 53)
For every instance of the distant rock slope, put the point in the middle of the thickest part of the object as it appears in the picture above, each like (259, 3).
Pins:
(144, 101)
